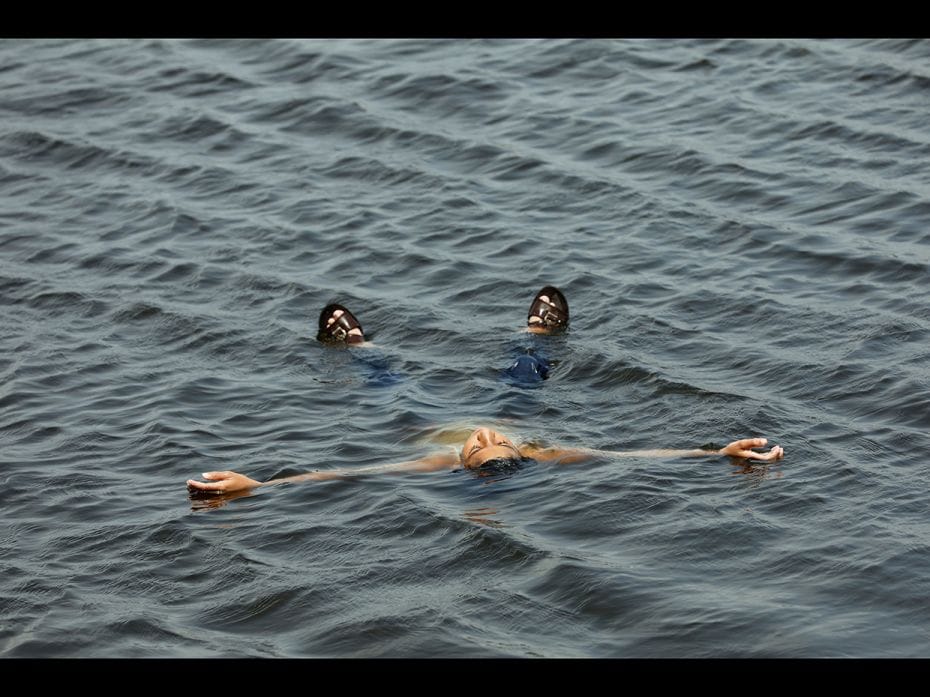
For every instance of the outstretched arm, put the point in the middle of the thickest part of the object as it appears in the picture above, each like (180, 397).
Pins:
(739, 449)
(228, 482)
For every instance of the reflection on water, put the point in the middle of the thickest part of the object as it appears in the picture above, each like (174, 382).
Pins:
(757, 470)
(205, 501)
(484, 516)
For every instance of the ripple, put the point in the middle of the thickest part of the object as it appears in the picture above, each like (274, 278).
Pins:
(742, 257)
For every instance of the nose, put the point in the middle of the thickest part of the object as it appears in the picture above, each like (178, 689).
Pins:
(483, 435)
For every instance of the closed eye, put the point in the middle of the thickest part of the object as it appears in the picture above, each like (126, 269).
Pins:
(478, 447)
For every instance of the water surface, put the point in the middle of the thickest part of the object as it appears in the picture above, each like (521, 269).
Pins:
(741, 229)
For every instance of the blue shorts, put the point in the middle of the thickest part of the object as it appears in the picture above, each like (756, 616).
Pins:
(528, 368)
(377, 369)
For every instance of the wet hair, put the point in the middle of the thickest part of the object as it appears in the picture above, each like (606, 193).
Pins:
(504, 464)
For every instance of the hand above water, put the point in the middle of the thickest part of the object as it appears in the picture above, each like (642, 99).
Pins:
(222, 483)
(741, 449)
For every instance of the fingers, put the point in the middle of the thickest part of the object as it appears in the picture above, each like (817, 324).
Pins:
(743, 450)
(206, 486)
(776, 453)
(214, 486)
(222, 483)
